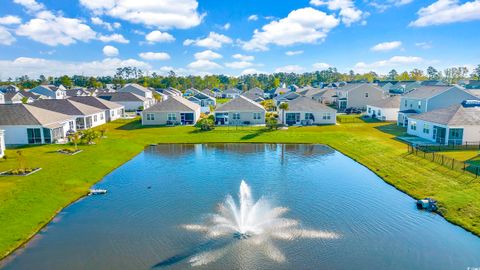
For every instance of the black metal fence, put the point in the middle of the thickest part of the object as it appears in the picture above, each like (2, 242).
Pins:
(449, 147)
(449, 162)
(349, 119)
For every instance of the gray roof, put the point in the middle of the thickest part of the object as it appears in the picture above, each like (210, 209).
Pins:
(174, 104)
(129, 86)
(232, 91)
(29, 94)
(240, 104)
(353, 86)
(24, 114)
(10, 95)
(454, 115)
(305, 104)
(390, 102)
(121, 97)
(428, 91)
(66, 106)
(97, 102)
(252, 95)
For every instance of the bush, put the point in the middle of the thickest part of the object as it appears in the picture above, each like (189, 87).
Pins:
(89, 136)
(205, 124)
(271, 123)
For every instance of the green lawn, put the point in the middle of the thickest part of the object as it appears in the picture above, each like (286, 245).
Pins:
(28, 203)
(461, 155)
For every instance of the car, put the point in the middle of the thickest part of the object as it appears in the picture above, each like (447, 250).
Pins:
(353, 111)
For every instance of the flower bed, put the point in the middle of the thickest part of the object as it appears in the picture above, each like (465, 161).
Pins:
(68, 151)
(20, 172)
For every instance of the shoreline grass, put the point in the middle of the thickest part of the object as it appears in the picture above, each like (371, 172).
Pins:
(28, 203)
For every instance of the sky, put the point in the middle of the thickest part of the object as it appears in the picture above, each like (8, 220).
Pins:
(232, 37)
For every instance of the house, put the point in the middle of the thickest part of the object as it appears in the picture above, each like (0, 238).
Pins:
(433, 83)
(359, 95)
(27, 124)
(204, 100)
(31, 97)
(78, 92)
(130, 101)
(9, 88)
(427, 98)
(473, 84)
(385, 109)
(287, 97)
(403, 87)
(2, 143)
(173, 111)
(231, 93)
(170, 92)
(309, 91)
(217, 93)
(85, 116)
(326, 96)
(456, 124)
(50, 91)
(256, 94)
(14, 98)
(190, 92)
(2, 98)
(139, 90)
(306, 111)
(281, 91)
(113, 111)
(240, 111)
(208, 92)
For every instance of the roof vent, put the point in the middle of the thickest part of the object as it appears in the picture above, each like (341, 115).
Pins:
(471, 103)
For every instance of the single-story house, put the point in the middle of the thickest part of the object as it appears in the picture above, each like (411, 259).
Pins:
(137, 89)
(306, 111)
(85, 116)
(385, 110)
(9, 88)
(456, 124)
(31, 97)
(2, 143)
(287, 97)
(130, 101)
(15, 98)
(190, 92)
(231, 93)
(113, 110)
(173, 111)
(50, 91)
(240, 111)
(327, 96)
(2, 98)
(27, 124)
(253, 96)
(204, 100)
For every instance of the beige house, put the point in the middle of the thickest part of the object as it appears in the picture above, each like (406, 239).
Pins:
(305, 111)
(240, 111)
(173, 111)
(359, 95)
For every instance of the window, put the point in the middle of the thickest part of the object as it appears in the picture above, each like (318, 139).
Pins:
(379, 113)
(426, 128)
(366, 95)
(70, 125)
(257, 116)
(369, 109)
(405, 103)
(112, 113)
(150, 116)
(47, 135)
(172, 117)
(236, 116)
(413, 125)
(326, 116)
(309, 116)
(34, 135)
(101, 116)
(95, 118)
(419, 104)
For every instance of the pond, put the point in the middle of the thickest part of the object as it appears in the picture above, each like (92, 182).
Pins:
(168, 209)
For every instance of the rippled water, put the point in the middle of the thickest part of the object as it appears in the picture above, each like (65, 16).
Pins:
(138, 224)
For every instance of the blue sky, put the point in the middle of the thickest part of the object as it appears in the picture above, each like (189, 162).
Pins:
(93, 37)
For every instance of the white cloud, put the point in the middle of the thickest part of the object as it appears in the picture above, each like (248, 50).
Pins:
(320, 66)
(54, 30)
(292, 53)
(250, 71)
(213, 41)
(113, 38)
(384, 5)
(253, 17)
(289, 69)
(243, 57)
(203, 65)
(424, 45)
(348, 12)
(106, 25)
(406, 62)
(10, 19)
(34, 67)
(110, 51)
(447, 11)
(158, 36)
(30, 5)
(5, 37)
(163, 14)
(306, 25)
(160, 56)
(386, 46)
(226, 26)
(207, 55)
(239, 64)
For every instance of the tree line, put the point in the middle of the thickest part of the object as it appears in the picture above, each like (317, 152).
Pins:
(264, 81)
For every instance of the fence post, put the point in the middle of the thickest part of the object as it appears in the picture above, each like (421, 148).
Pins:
(464, 166)
(433, 156)
(453, 162)
(442, 159)
(476, 174)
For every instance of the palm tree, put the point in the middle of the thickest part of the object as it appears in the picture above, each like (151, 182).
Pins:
(283, 107)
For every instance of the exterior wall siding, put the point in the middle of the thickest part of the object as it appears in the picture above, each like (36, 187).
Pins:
(357, 97)
(161, 118)
(448, 98)
(389, 114)
(318, 115)
(246, 117)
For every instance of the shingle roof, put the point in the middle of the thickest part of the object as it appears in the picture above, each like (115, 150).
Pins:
(352, 86)
(240, 104)
(252, 95)
(428, 91)
(232, 91)
(121, 97)
(10, 95)
(174, 104)
(454, 115)
(136, 86)
(66, 106)
(305, 104)
(29, 94)
(390, 102)
(24, 114)
(97, 102)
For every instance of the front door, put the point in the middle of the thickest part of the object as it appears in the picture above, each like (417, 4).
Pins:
(439, 134)
(292, 118)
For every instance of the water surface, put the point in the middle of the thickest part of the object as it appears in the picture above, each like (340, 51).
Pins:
(138, 224)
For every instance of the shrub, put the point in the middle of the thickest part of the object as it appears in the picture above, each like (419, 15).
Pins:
(205, 124)
(89, 136)
(271, 123)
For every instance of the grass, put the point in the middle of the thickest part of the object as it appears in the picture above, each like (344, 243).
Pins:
(28, 203)
(461, 155)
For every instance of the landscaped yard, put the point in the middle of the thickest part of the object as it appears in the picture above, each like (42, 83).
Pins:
(461, 155)
(28, 203)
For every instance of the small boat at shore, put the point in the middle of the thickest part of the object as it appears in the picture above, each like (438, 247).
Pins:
(428, 204)
(97, 192)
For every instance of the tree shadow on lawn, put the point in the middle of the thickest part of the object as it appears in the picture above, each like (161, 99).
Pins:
(393, 129)
(254, 134)
(138, 125)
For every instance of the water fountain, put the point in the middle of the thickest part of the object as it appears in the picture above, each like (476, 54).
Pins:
(255, 223)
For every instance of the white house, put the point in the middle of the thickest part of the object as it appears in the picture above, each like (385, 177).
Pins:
(27, 124)
(85, 116)
(14, 98)
(306, 111)
(204, 100)
(173, 111)
(240, 111)
(113, 111)
(385, 109)
(130, 101)
(456, 124)
(50, 91)
(2, 98)
(141, 91)
(2, 143)
(231, 93)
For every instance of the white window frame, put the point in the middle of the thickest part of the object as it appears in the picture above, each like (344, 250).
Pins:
(327, 116)
(236, 116)
(257, 116)
(172, 117)
(150, 116)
